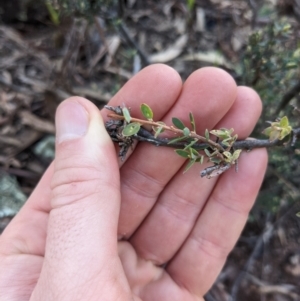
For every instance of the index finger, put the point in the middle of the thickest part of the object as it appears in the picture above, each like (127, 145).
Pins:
(156, 85)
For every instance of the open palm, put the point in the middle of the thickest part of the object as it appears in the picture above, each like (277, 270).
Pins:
(96, 229)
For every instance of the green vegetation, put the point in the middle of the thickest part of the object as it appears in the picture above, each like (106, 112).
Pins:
(85, 8)
(271, 65)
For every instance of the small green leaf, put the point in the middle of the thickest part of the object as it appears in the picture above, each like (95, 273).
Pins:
(267, 131)
(228, 155)
(278, 130)
(225, 143)
(191, 144)
(216, 132)
(227, 140)
(215, 153)
(284, 132)
(200, 159)
(189, 165)
(146, 111)
(131, 129)
(298, 214)
(236, 155)
(158, 129)
(192, 121)
(182, 153)
(207, 134)
(207, 152)
(178, 123)
(186, 132)
(222, 133)
(126, 114)
(284, 122)
(193, 152)
(215, 160)
(275, 134)
(177, 139)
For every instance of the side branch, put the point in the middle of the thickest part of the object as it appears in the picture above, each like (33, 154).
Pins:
(223, 150)
(168, 128)
(247, 144)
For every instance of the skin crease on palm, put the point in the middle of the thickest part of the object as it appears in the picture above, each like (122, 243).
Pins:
(98, 229)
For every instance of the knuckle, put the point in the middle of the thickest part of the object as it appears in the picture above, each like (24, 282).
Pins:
(74, 183)
(211, 248)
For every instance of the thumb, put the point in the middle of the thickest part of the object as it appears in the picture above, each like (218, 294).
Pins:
(81, 247)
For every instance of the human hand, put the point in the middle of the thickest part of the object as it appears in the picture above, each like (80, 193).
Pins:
(175, 230)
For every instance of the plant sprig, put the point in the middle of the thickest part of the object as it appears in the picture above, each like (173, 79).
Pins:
(223, 151)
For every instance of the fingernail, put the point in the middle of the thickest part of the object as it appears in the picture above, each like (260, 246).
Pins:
(71, 121)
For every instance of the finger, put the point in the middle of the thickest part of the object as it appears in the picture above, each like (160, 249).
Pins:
(156, 85)
(82, 226)
(203, 255)
(224, 215)
(183, 199)
(247, 106)
(207, 92)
